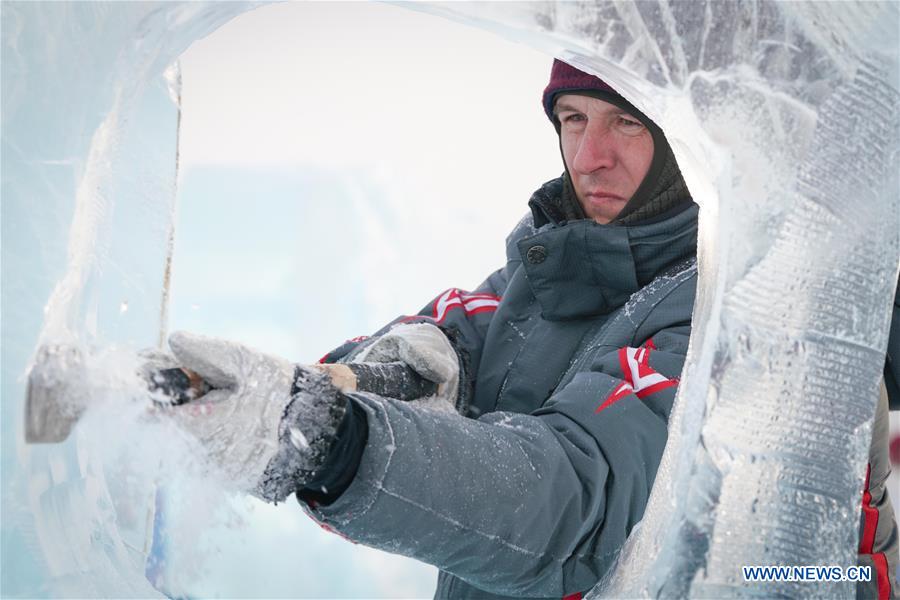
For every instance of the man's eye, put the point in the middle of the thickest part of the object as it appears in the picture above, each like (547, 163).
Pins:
(572, 118)
(630, 123)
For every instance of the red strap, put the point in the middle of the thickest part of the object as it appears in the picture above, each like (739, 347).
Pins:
(870, 518)
(881, 575)
(575, 596)
(867, 541)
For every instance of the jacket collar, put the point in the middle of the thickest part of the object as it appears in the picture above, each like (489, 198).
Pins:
(547, 204)
(580, 269)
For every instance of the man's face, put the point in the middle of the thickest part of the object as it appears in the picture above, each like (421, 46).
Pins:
(607, 151)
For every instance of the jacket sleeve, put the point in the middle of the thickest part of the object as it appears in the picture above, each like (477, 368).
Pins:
(462, 315)
(514, 504)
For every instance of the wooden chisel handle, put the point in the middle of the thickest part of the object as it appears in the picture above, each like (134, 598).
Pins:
(392, 380)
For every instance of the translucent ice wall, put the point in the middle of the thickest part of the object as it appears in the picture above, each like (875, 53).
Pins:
(89, 142)
(783, 117)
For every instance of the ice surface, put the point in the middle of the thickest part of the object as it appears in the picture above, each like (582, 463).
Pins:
(89, 146)
(783, 117)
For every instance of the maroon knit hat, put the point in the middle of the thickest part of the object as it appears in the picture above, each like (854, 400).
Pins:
(566, 78)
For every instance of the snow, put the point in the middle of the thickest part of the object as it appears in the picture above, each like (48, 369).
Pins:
(298, 439)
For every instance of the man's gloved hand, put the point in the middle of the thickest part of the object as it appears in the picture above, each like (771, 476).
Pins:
(267, 423)
(423, 347)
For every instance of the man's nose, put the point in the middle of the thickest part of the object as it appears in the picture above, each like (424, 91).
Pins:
(594, 150)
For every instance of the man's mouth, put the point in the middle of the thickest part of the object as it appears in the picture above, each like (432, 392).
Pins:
(603, 197)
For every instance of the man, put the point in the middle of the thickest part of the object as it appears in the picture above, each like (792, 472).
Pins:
(564, 363)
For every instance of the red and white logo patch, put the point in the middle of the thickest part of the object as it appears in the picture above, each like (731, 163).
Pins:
(639, 378)
(471, 303)
(620, 391)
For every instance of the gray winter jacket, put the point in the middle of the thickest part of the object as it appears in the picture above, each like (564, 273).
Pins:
(571, 356)
(573, 352)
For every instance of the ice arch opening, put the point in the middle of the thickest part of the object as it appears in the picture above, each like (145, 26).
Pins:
(794, 67)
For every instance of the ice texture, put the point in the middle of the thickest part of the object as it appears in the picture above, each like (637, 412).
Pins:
(89, 144)
(783, 117)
